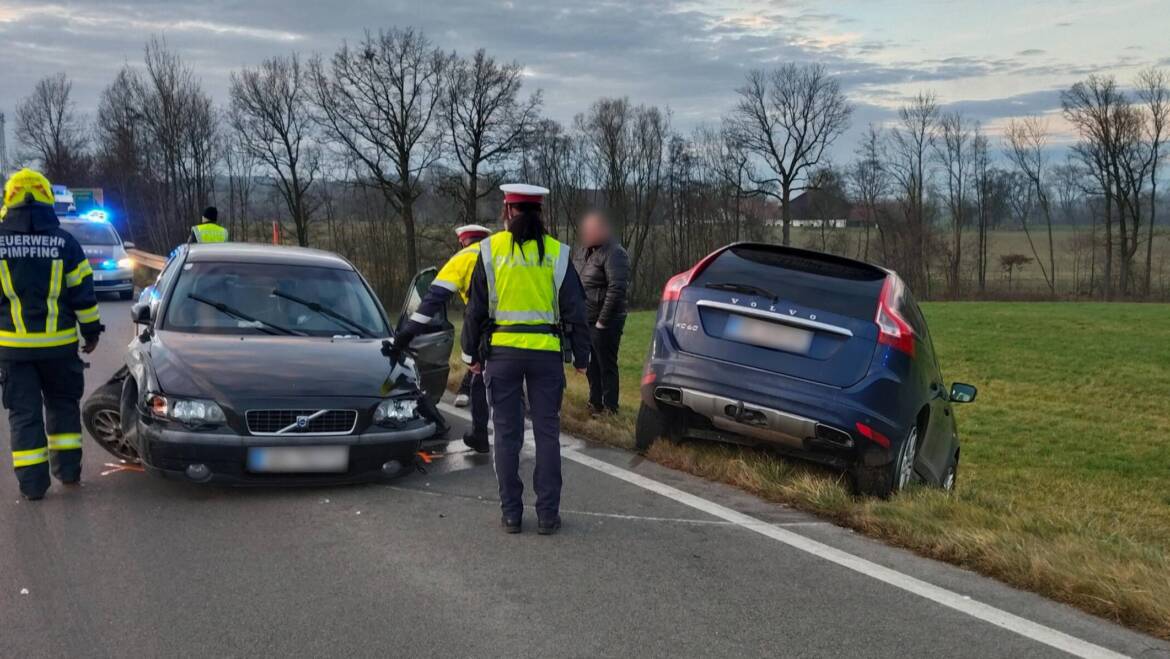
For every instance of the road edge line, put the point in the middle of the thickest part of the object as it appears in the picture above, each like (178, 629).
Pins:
(950, 599)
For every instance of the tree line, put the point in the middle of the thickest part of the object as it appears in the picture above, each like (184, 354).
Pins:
(378, 149)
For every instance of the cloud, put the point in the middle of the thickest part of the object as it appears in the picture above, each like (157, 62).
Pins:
(689, 55)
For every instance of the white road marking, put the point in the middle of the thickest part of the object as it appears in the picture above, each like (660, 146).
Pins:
(962, 603)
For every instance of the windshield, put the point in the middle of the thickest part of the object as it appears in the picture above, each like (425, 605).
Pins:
(92, 233)
(246, 289)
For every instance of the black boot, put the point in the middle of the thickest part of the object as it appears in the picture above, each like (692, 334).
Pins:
(510, 525)
(477, 442)
(549, 526)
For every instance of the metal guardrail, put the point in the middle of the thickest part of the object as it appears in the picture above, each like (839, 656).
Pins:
(148, 260)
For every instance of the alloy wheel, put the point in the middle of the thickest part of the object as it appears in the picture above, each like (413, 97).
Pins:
(906, 464)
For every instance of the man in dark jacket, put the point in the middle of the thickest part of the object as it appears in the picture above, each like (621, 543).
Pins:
(604, 267)
(48, 297)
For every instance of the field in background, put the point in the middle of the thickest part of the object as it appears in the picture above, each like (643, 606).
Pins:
(1073, 263)
(1064, 484)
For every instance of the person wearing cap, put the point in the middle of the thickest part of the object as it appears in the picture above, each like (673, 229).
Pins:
(525, 307)
(454, 277)
(48, 299)
(207, 231)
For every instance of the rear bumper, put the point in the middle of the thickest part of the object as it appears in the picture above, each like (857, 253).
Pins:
(113, 280)
(752, 406)
(171, 451)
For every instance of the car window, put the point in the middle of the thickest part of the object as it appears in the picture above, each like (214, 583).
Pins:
(92, 233)
(818, 281)
(248, 288)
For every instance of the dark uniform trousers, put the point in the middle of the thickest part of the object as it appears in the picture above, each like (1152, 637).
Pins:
(480, 414)
(56, 386)
(544, 373)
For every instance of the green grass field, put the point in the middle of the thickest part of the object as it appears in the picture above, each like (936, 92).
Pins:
(1064, 485)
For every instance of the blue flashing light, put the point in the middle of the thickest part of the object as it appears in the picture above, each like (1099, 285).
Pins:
(108, 264)
(97, 215)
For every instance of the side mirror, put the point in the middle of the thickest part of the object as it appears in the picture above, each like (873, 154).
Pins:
(963, 393)
(128, 245)
(140, 313)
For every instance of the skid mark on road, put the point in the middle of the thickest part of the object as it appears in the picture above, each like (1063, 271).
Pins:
(950, 599)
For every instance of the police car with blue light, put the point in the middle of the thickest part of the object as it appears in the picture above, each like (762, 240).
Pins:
(113, 269)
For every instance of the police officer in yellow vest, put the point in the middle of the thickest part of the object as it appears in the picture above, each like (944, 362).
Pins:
(526, 304)
(455, 277)
(48, 299)
(207, 231)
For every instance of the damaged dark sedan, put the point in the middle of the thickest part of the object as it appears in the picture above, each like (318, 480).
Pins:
(261, 364)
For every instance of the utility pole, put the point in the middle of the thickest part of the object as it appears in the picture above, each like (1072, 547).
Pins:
(3, 146)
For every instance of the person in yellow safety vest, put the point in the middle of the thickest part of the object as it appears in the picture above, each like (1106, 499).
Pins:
(207, 231)
(526, 303)
(455, 277)
(48, 296)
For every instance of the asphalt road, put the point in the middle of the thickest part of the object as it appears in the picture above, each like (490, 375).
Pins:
(651, 562)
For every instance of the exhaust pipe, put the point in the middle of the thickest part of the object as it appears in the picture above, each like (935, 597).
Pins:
(834, 436)
(668, 395)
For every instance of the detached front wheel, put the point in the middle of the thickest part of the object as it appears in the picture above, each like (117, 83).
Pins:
(102, 417)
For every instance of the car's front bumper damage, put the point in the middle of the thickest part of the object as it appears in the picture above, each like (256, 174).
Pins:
(223, 457)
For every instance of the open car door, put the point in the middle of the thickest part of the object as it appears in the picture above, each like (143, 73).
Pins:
(433, 345)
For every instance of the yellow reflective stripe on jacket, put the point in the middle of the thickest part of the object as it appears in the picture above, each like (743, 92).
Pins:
(38, 339)
(523, 289)
(30, 457)
(456, 273)
(209, 232)
(66, 441)
(89, 315)
(14, 305)
(78, 274)
(56, 274)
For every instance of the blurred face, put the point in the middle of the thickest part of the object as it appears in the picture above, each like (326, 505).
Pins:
(595, 229)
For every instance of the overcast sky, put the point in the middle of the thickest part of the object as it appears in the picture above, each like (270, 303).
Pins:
(993, 58)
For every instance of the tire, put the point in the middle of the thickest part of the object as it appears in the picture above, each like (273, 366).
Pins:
(102, 416)
(125, 295)
(884, 480)
(649, 427)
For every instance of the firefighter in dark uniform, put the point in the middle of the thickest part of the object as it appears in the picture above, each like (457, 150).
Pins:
(207, 231)
(48, 299)
(526, 306)
(455, 277)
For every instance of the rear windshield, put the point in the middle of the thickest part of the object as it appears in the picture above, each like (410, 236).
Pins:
(91, 233)
(811, 280)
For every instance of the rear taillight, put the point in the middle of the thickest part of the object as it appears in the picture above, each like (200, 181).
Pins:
(872, 435)
(677, 283)
(893, 330)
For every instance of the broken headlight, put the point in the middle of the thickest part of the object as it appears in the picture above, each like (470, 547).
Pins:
(396, 410)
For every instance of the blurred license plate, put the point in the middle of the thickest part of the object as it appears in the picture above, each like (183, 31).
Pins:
(768, 335)
(298, 459)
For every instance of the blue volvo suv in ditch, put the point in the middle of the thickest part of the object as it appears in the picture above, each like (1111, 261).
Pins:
(813, 354)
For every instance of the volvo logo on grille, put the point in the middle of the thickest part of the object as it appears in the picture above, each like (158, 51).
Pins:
(302, 422)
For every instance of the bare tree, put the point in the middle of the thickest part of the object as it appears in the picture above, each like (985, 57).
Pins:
(954, 154)
(378, 101)
(1027, 144)
(486, 122)
(910, 144)
(1153, 89)
(271, 117)
(788, 118)
(48, 125)
(870, 183)
(627, 148)
(984, 181)
(177, 127)
(240, 165)
(118, 156)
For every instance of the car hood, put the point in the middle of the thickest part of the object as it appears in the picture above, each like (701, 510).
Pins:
(234, 367)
